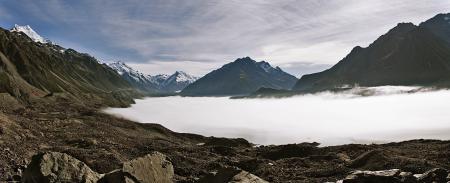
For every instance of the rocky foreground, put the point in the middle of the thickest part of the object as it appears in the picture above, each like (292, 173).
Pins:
(59, 140)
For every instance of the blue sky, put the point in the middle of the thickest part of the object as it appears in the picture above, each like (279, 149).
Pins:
(196, 36)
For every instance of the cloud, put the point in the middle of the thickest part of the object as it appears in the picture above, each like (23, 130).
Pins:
(320, 117)
(211, 32)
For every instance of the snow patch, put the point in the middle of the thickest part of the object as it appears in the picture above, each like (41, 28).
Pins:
(27, 30)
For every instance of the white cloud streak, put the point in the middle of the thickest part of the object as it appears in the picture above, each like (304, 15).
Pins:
(285, 32)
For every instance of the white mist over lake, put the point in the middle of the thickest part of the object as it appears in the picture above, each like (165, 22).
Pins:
(327, 118)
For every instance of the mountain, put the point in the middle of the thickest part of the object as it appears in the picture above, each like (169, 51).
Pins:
(177, 81)
(242, 76)
(406, 55)
(27, 30)
(135, 78)
(161, 83)
(439, 25)
(32, 71)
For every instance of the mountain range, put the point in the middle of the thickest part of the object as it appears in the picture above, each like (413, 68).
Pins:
(243, 76)
(406, 55)
(161, 83)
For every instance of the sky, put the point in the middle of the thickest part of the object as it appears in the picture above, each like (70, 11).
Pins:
(197, 36)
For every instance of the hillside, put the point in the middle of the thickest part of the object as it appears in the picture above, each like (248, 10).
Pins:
(44, 69)
(406, 55)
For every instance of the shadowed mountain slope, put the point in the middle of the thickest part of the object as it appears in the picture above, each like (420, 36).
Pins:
(406, 55)
(242, 76)
(46, 68)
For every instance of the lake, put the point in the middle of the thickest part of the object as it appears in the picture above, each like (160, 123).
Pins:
(327, 118)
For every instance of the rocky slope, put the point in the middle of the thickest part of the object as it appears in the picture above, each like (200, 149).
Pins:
(240, 77)
(406, 55)
(153, 84)
(104, 143)
(439, 25)
(33, 70)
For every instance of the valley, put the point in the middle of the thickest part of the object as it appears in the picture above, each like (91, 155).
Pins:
(377, 115)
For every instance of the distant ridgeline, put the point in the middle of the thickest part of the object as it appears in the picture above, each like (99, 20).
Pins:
(158, 84)
(406, 55)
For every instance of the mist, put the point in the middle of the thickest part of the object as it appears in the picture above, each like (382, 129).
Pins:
(391, 114)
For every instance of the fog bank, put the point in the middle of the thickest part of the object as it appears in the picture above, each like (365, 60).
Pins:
(327, 118)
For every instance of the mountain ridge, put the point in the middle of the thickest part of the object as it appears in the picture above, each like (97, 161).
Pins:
(161, 83)
(49, 69)
(406, 55)
(240, 77)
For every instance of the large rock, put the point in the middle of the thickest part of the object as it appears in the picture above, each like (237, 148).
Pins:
(373, 159)
(58, 167)
(231, 175)
(152, 168)
(386, 176)
(434, 175)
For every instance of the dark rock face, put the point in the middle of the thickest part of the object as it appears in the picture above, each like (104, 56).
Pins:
(439, 25)
(406, 55)
(240, 77)
(53, 167)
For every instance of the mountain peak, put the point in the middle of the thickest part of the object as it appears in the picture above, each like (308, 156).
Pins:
(245, 59)
(180, 76)
(27, 30)
(242, 76)
(403, 28)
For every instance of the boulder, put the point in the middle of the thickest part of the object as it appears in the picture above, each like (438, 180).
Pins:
(152, 168)
(434, 175)
(407, 177)
(373, 159)
(231, 175)
(58, 167)
(386, 176)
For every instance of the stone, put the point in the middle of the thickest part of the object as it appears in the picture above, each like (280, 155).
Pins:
(231, 175)
(387, 176)
(343, 157)
(407, 177)
(434, 175)
(373, 159)
(152, 168)
(52, 167)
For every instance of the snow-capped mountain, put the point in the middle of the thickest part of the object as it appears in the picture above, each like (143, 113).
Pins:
(27, 30)
(124, 70)
(178, 81)
(267, 67)
(161, 83)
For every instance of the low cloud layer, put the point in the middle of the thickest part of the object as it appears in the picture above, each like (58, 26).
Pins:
(327, 118)
(155, 33)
